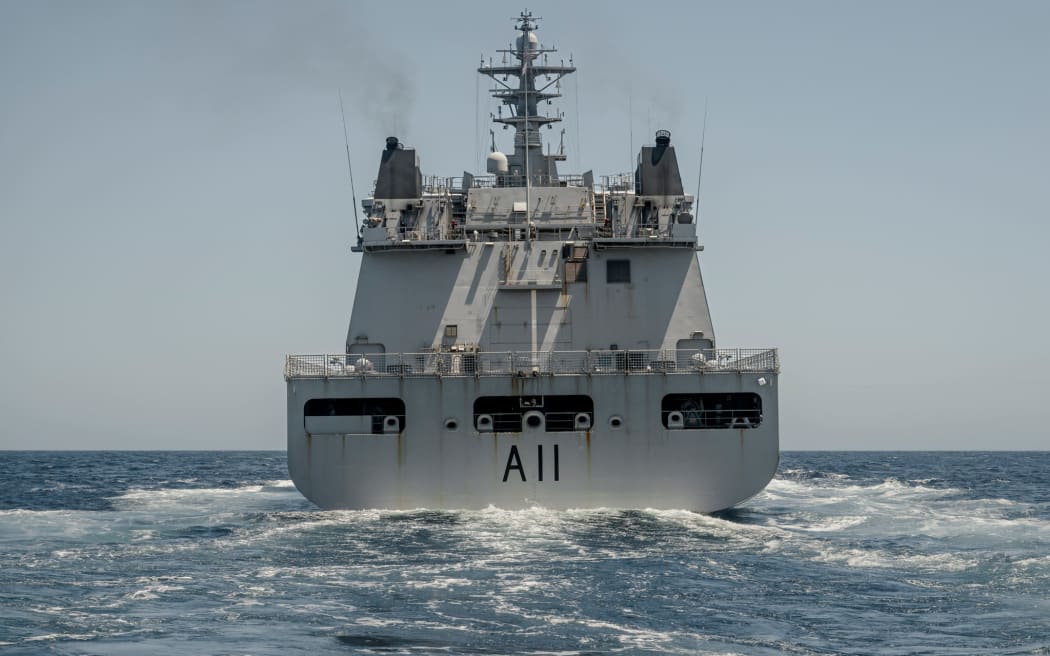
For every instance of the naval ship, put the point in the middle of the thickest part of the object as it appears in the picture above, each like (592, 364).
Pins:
(526, 337)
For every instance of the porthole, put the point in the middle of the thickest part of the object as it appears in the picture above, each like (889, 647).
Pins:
(616, 421)
(451, 424)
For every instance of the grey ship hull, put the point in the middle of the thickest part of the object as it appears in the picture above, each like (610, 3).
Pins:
(640, 464)
(528, 337)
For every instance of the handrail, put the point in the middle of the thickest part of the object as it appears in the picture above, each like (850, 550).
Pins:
(539, 363)
(435, 184)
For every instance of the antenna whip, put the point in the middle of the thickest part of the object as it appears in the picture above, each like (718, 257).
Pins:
(700, 176)
(349, 166)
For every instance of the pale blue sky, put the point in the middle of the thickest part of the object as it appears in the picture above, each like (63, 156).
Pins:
(176, 217)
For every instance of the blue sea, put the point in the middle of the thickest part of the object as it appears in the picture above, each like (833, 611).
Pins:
(217, 553)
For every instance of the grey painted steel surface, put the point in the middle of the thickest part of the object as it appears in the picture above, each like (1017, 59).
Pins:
(578, 303)
(638, 465)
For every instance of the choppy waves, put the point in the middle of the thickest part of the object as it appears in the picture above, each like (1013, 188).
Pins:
(832, 558)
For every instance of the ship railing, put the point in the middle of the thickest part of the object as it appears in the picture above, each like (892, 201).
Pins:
(638, 230)
(718, 417)
(512, 232)
(621, 182)
(436, 184)
(433, 184)
(553, 421)
(538, 363)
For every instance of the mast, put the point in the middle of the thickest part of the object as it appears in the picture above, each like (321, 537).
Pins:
(528, 163)
(525, 41)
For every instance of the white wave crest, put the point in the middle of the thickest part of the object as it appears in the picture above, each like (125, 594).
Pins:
(271, 495)
(883, 559)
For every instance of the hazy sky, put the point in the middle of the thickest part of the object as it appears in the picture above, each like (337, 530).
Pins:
(176, 216)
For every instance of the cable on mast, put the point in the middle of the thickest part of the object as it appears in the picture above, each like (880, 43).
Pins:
(526, 28)
(700, 176)
(477, 118)
(630, 128)
(349, 166)
(576, 93)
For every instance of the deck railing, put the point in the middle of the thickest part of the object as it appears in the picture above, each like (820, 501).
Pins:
(524, 363)
(434, 184)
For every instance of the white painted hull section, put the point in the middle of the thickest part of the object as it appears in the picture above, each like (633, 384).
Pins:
(641, 464)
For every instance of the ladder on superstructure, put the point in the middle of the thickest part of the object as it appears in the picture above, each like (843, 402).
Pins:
(600, 214)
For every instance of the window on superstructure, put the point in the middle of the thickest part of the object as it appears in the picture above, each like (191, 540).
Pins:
(451, 331)
(617, 271)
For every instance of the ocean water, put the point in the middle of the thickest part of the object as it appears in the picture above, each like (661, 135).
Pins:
(216, 553)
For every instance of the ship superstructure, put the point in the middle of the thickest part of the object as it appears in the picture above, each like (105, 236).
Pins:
(528, 337)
